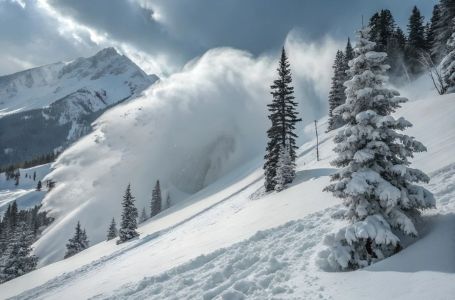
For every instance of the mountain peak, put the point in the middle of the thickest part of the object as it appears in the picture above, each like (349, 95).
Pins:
(109, 51)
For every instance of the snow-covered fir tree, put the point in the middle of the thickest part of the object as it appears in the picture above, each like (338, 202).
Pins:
(129, 217)
(17, 259)
(285, 172)
(112, 232)
(374, 179)
(155, 204)
(447, 65)
(283, 115)
(77, 243)
(442, 29)
(143, 217)
(336, 94)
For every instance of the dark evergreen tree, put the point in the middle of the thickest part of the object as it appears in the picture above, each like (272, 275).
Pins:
(382, 26)
(168, 200)
(283, 115)
(34, 176)
(336, 94)
(128, 225)
(112, 233)
(77, 243)
(416, 43)
(348, 53)
(39, 185)
(12, 218)
(143, 217)
(155, 204)
(17, 259)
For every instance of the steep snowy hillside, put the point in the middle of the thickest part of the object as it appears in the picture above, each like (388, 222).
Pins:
(53, 105)
(197, 249)
(25, 192)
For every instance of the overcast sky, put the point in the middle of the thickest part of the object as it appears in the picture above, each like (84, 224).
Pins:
(161, 35)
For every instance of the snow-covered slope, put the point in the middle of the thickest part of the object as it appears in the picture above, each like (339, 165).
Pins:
(25, 192)
(279, 261)
(53, 105)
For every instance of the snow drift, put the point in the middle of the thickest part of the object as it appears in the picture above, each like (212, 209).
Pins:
(187, 131)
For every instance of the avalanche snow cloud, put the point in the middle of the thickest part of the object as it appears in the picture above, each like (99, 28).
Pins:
(187, 131)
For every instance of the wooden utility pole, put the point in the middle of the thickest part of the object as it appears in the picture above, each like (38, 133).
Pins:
(317, 139)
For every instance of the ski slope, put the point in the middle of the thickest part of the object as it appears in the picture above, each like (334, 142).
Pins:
(230, 241)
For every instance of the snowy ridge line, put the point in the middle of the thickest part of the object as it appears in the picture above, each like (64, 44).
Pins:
(255, 268)
(34, 292)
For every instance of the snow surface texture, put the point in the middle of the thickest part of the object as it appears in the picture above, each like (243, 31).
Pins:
(187, 131)
(279, 262)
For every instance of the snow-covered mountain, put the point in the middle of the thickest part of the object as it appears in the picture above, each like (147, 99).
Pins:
(55, 104)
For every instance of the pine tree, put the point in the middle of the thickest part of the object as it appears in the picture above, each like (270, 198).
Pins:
(112, 233)
(143, 216)
(17, 259)
(168, 200)
(442, 29)
(348, 53)
(416, 43)
(374, 178)
(382, 26)
(39, 185)
(12, 217)
(129, 218)
(447, 65)
(285, 172)
(283, 116)
(77, 243)
(336, 94)
(155, 204)
(431, 33)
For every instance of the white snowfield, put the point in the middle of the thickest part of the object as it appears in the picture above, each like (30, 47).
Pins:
(25, 192)
(230, 241)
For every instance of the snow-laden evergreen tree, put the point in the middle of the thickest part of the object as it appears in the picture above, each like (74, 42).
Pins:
(336, 94)
(447, 65)
(283, 115)
(143, 217)
(442, 29)
(77, 243)
(285, 172)
(129, 218)
(17, 259)
(112, 232)
(155, 204)
(416, 43)
(374, 179)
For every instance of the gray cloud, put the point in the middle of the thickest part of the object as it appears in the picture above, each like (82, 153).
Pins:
(164, 34)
